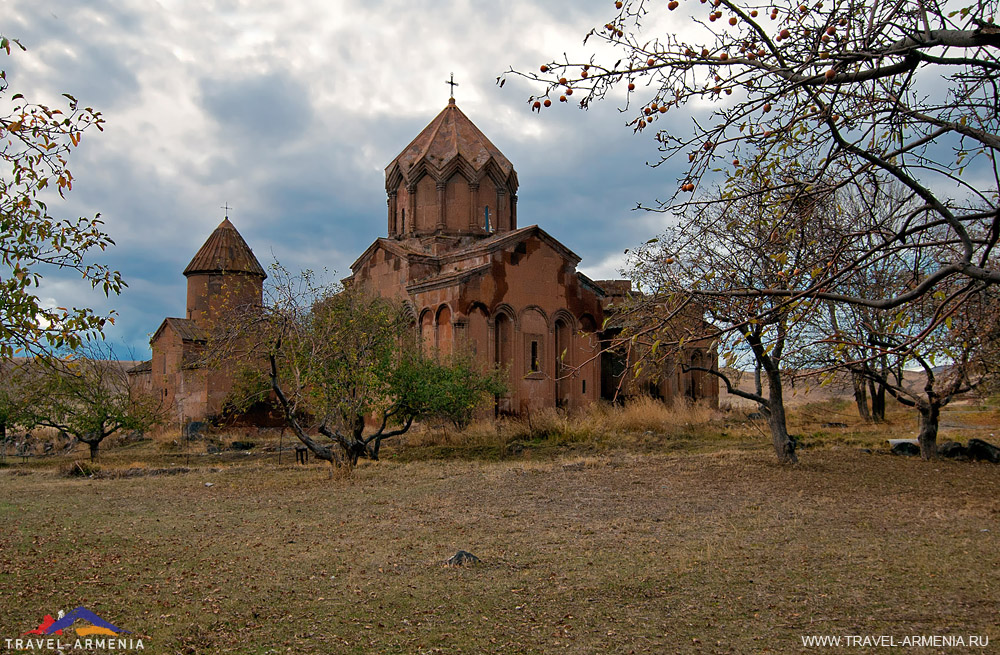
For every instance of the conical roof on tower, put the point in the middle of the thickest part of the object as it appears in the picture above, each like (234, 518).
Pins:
(225, 251)
(451, 142)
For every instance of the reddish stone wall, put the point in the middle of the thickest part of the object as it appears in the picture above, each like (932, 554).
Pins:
(457, 207)
(211, 296)
(530, 309)
(182, 390)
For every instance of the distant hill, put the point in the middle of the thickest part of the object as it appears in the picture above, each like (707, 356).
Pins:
(805, 387)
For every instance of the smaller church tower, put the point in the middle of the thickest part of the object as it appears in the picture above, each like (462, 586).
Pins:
(223, 275)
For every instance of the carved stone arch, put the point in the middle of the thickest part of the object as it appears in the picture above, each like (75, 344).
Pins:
(467, 169)
(460, 166)
(393, 178)
(503, 327)
(563, 356)
(566, 317)
(512, 181)
(504, 309)
(410, 311)
(535, 308)
(535, 332)
(501, 178)
(416, 173)
(477, 341)
(441, 308)
(589, 357)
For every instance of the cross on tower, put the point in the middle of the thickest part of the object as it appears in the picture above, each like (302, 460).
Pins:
(452, 83)
(227, 208)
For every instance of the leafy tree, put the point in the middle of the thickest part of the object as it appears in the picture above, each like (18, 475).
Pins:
(89, 396)
(346, 364)
(35, 144)
(14, 402)
(866, 91)
(447, 387)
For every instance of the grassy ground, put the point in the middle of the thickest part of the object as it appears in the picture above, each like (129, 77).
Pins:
(690, 539)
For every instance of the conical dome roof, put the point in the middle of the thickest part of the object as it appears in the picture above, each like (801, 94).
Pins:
(450, 142)
(225, 251)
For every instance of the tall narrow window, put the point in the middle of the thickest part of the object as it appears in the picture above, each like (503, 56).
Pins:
(534, 357)
(486, 218)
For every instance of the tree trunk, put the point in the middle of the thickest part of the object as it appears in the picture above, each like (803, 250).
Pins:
(860, 395)
(784, 445)
(358, 448)
(928, 431)
(94, 445)
(878, 401)
(321, 452)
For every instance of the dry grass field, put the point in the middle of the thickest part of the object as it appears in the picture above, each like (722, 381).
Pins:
(687, 538)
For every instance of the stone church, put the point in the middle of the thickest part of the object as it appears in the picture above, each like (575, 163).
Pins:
(223, 275)
(472, 278)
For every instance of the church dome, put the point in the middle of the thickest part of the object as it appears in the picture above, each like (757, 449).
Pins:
(451, 180)
(225, 251)
(451, 142)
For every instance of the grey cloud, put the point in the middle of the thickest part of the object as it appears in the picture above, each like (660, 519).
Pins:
(272, 107)
(307, 184)
(86, 48)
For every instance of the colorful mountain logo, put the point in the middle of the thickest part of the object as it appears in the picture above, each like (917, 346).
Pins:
(99, 626)
(44, 626)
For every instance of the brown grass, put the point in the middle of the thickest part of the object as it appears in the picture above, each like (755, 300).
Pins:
(643, 423)
(719, 552)
(644, 529)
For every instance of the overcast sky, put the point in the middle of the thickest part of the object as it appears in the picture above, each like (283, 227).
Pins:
(290, 111)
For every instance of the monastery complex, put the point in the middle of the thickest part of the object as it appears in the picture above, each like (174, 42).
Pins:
(473, 279)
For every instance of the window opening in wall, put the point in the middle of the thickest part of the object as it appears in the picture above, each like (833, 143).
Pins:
(534, 357)
(402, 222)
(486, 218)
(584, 386)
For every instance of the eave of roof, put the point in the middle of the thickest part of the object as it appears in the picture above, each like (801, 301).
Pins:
(185, 328)
(448, 279)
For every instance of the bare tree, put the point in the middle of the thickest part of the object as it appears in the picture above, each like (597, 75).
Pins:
(743, 245)
(956, 354)
(862, 90)
(857, 224)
